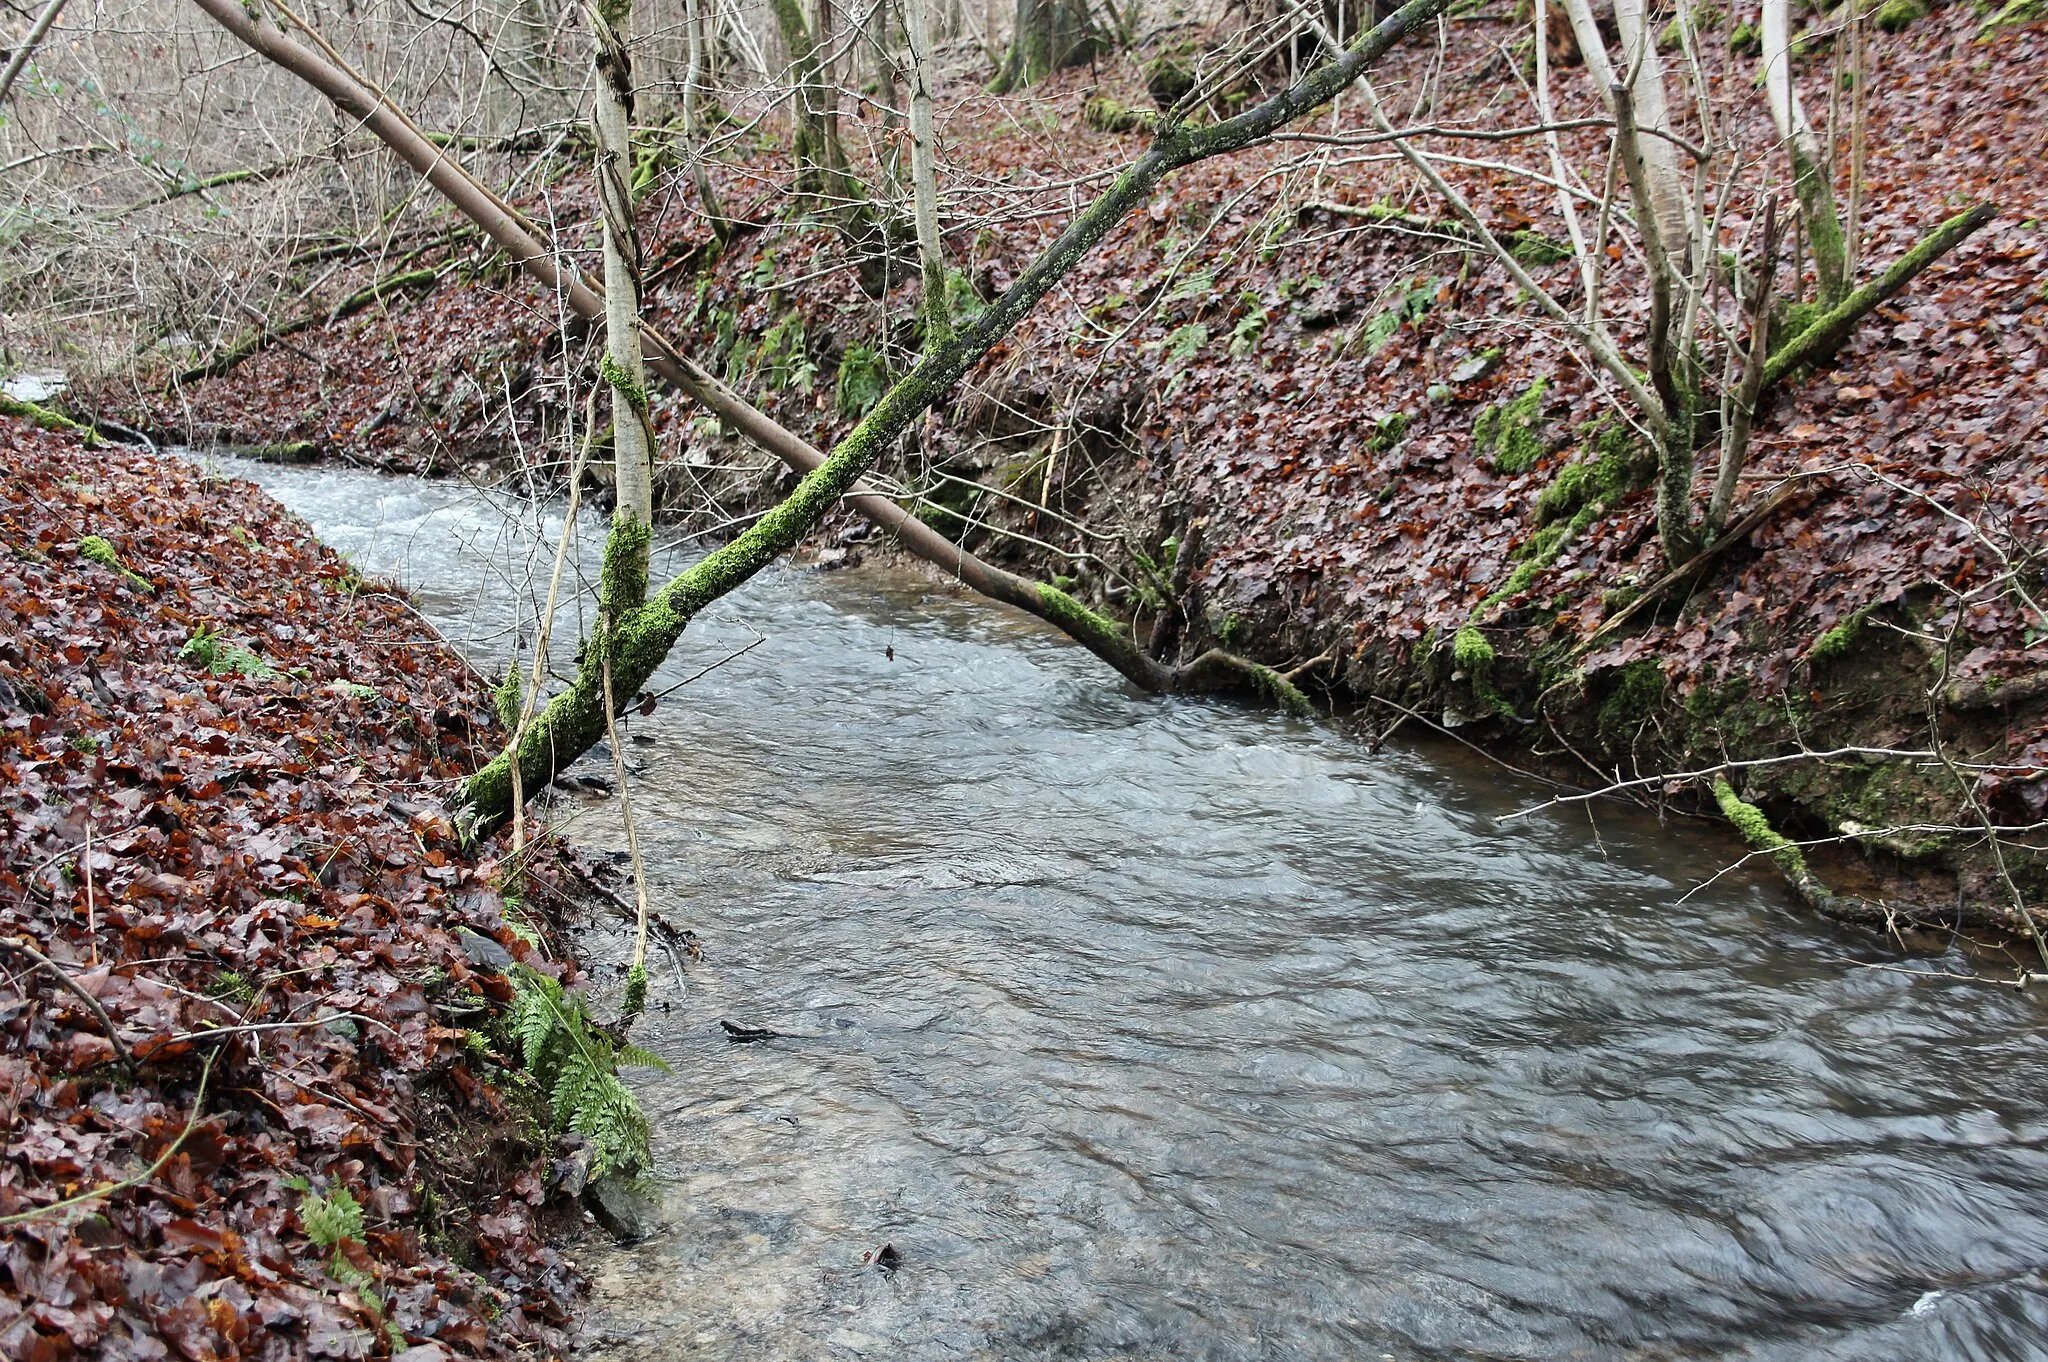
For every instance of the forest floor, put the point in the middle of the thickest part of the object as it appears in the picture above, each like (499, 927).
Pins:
(1314, 386)
(256, 1104)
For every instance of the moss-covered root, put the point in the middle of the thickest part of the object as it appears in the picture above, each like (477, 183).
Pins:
(1757, 831)
(46, 419)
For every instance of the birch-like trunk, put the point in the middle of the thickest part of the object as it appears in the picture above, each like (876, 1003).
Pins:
(1669, 199)
(924, 178)
(1810, 179)
(625, 372)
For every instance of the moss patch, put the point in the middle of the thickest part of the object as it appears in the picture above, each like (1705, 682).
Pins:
(1509, 433)
(1633, 695)
(1837, 641)
(1757, 831)
(1620, 465)
(1896, 16)
(94, 549)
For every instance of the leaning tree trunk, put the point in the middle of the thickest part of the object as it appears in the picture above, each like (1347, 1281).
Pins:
(1050, 36)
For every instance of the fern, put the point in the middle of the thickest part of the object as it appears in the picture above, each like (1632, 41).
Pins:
(577, 1065)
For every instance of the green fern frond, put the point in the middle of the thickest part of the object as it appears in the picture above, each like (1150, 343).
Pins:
(646, 1059)
(576, 1064)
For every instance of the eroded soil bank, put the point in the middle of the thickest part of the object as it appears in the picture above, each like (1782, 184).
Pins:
(1397, 472)
(256, 1101)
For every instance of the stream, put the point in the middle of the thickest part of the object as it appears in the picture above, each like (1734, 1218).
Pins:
(1172, 1029)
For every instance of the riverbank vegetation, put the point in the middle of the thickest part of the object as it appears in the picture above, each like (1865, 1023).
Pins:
(1648, 396)
(264, 1093)
(1414, 412)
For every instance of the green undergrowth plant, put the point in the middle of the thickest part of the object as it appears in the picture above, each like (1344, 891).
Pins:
(577, 1063)
(863, 378)
(218, 656)
(334, 1220)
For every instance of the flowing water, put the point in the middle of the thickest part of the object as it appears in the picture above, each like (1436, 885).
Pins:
(1155, 1029)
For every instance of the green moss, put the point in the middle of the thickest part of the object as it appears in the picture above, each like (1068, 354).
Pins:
(1896, 16)
(1508, 433)
(44, 418)
(1757, 831)
(1281, 691)
(1620, 465)
(2012, 15)
(615, 377)
(1473, 654)
(1746, 39)
(1633, 695)
(622, 581)
(1168, 80)
(94, 549)
(1104, 114)
(949, 507)
(1533, 248)
(1838, 640)
(508, 697)
(219, 656)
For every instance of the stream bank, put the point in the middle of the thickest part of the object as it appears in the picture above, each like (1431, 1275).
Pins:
(1396, 471)
(255, 1107)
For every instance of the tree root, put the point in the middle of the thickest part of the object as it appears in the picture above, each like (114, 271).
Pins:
(46, 419)
(1766, 840)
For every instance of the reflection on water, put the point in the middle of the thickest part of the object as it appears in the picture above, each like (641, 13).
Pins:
(1167, 1029)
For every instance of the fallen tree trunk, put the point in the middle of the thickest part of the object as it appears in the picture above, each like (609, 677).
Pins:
(575, 719)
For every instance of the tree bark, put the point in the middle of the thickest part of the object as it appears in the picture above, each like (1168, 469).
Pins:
(625, 372)
(1050, 35)
(1810, 179)
(924, 181)
(36, 33)
(1668, 198)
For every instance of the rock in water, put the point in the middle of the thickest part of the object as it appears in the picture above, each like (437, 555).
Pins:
(621, 1207)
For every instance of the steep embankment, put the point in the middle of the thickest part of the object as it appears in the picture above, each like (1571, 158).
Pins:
(245, 1114)
(1398, 468)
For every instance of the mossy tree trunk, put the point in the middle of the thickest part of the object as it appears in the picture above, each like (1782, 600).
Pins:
(1810, 164)
(1050, 35)
(821, 173)
(924, 179)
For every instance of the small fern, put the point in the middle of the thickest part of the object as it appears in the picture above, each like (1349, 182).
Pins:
(332, 1219)
(577, 1065)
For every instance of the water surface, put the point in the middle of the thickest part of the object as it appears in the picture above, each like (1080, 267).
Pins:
(1150, 1028)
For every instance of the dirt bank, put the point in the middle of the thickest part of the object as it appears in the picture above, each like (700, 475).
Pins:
(1397, 469)
(254, 1107)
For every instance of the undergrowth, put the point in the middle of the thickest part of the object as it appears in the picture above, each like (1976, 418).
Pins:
(577, 1064)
